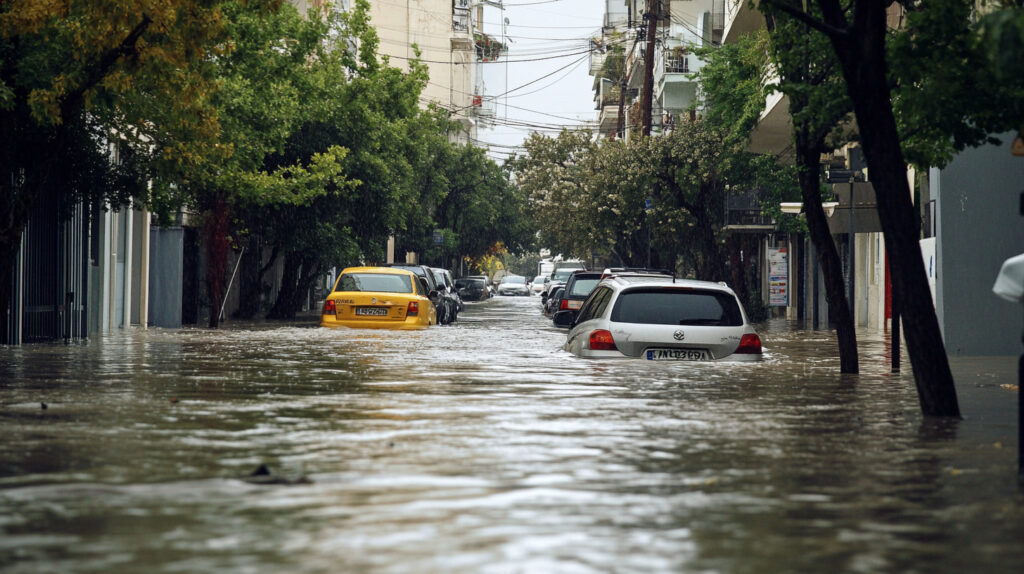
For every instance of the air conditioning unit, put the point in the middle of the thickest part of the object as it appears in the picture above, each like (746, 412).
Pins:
(462, 4)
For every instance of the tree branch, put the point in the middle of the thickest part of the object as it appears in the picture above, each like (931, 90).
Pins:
(828, 29)
(127, 47)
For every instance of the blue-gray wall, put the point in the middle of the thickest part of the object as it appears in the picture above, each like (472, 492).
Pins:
(166, 253)
(979, 226)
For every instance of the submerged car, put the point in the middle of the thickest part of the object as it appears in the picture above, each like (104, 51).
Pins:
(660, 318)
(472, 288)
(513, 285)
(577, 289)
(379, 298)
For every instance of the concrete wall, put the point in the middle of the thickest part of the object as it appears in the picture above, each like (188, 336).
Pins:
(979, 226)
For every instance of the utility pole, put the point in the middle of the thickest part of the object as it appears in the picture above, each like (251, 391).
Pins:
(620, 131)
(647, 93)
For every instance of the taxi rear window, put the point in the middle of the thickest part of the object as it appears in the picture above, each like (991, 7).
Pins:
(676, 306)
(375, 282)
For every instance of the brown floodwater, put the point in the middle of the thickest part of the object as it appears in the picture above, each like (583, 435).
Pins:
(483, 447)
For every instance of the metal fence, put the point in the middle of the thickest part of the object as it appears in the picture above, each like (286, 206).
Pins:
(49, 295)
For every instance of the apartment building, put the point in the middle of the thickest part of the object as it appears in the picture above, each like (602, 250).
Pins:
(680, 25)
(443, 31)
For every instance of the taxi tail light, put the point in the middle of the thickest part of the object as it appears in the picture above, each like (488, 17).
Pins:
(330, 307)
(601, 340)
(413, 310)
(750, 344)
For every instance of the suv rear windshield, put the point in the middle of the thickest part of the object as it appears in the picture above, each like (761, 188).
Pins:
(675, 306)
(583, 287)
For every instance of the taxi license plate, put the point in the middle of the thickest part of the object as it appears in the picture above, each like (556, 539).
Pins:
(677, 355)
(372, 311)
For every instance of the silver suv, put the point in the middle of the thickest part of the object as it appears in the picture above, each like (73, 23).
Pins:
(660, 318)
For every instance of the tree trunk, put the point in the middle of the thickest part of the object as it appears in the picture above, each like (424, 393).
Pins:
(862, 53)
(216, 236)
(250, 280)
(808, 157)
(284, 303)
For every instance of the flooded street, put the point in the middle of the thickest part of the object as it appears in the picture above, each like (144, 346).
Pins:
(483, 447)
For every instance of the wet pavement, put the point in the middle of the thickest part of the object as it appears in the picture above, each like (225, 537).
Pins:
(483, 447)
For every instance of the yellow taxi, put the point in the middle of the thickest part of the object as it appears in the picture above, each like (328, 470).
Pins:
(378, 298)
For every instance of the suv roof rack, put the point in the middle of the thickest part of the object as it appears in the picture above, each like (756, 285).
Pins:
(613, 271)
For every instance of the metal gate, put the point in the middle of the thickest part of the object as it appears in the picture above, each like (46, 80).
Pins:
(51, 275)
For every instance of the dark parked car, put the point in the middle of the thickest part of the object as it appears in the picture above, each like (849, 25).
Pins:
(577, 289)
(452, 290)
(472, 288)
(437, 296)
(554, 300)
(449, 297)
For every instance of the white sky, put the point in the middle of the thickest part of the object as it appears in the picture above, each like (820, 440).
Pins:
(549, 40)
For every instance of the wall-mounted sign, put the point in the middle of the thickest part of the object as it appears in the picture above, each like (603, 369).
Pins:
(778, 277)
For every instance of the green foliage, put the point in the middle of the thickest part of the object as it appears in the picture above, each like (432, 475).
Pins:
(733, 83)
(553, 177)
(614, 66)
(940, 79)
(590, 199)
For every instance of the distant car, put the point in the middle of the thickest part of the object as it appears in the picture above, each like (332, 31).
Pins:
(661, 318)
(472, 288)
(551, 287)
(577, 289)
(537, 287)
(487, 283)
(378, 298)
(513, 285)
(551, 305)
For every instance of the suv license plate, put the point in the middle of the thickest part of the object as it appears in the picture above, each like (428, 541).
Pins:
(373, 311)
(677, 355)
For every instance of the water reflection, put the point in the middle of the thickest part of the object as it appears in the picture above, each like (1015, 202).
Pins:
(483, 447)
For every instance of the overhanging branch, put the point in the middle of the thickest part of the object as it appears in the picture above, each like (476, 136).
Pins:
(797, 14)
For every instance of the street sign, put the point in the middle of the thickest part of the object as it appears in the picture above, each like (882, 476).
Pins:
(438, 237)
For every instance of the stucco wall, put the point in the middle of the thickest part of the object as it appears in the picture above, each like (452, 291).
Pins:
(979, 226)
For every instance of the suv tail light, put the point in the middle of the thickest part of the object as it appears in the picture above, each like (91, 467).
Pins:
(564, 305)
(601, 340)
(330, 307)
(750, 344)
(413, 310)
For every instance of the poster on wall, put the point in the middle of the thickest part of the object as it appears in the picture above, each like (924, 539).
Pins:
(778, 277)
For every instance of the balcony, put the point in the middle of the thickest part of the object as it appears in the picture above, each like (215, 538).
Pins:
(741, 19)
(462, 29)
(608, 94)
(607, 101)
(743, 214)
(596, 60)
(483, 106)
(675, 87)
(635, 65)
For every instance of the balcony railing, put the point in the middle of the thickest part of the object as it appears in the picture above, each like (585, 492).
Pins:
(608, 94)
(676, 63)
(461, 21)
